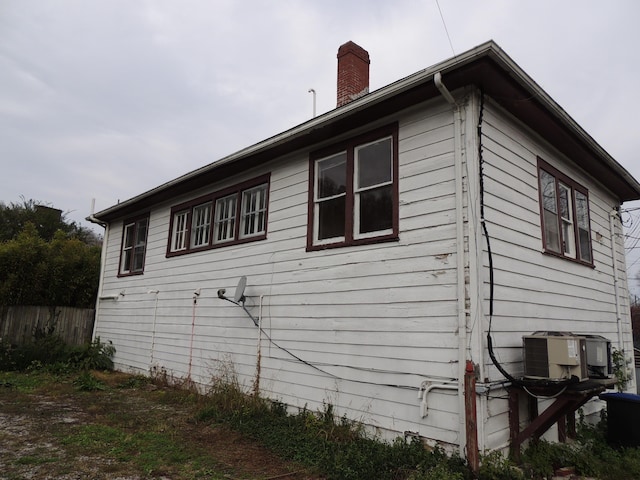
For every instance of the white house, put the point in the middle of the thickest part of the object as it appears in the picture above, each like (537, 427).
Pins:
(380, 242)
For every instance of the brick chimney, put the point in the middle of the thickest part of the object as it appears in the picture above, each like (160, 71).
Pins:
(353, 72)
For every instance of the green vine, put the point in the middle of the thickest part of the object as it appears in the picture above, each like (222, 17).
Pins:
(620, 368)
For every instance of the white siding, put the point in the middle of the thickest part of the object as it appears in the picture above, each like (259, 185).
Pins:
(534, 291)
(362, 327)
(374, 321)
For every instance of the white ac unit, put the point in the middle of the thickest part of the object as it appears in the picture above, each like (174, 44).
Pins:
(598, 356)
(555, 356)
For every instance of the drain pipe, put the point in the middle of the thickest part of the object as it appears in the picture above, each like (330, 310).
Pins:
(103, 256)
(616, 288)
(614, 214)
(460, 255)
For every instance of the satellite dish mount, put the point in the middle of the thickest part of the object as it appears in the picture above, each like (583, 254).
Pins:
(238, 296)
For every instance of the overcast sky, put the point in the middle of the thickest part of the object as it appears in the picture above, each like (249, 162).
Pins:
(106, 99)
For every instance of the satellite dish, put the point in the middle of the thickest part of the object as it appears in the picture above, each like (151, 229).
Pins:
(239, 295)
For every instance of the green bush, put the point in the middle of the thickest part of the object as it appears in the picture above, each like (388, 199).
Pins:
(50, 352)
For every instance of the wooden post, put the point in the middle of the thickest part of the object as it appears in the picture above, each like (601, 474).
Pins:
(473, 456)
(571, 425)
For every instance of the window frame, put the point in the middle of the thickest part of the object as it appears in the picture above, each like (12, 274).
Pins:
(562, 181)
(212, 199)
(351, 237)
(133, 222)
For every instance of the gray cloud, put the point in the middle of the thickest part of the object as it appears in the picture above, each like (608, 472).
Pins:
(107, 99)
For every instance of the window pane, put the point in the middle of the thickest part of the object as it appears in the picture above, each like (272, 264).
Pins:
(584, 237)
(584, 232)
(552, 235)
(254, 207)
(140, 243)
(201, 225)
(331, 218)
(179, 237)
(224, 228)
(374, 163)
(548, 188)
(129, 235)
(550, 211)
(376, 210)
(565, 202)
(582, 210)
(141, 233)
(127, 247)
(138, 258)
(332, 176)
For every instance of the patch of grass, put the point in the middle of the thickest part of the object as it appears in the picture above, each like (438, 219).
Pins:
(153, 453)
(23, 382)
(35, 460)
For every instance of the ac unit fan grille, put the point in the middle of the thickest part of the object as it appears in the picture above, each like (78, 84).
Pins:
(536, 355)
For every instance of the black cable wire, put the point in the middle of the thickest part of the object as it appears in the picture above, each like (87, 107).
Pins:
(301, 360)
(496, 363)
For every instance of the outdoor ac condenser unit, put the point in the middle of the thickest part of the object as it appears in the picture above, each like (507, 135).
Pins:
(555, 356)
(598, 356)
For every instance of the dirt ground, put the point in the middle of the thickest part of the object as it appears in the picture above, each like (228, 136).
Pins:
(43, 435)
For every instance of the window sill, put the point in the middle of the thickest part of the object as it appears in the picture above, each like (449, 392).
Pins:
(353, 243)
(217, 245)
(551, 253)
(130, 274)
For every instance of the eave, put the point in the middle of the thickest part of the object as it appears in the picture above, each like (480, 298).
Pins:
(485, 66)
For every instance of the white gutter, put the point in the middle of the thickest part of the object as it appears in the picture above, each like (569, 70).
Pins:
(460, 264)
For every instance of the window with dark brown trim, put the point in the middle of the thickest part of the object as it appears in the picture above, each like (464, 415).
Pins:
(134, 246)
(234, 215)
(353, 191)
(564, 215)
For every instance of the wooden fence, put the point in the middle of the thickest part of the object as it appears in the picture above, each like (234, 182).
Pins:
(18, 324)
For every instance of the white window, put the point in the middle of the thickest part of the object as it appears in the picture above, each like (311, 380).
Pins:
(330, 198)
(134, 242)
(225, 224)
(565, 215)
(254, 211)
(373, 189)
(235, 214)
(201, 225)
(355, 192)
(180, 229)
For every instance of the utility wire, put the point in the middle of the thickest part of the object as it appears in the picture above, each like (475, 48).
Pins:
(446, 30)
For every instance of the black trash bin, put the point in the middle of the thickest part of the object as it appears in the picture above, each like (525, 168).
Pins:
(623, 418)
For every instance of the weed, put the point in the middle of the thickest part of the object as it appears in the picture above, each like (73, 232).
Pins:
(88, 383)
(621, 368)
(135, 381)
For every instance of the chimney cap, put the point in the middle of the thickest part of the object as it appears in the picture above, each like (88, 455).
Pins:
(354, 48)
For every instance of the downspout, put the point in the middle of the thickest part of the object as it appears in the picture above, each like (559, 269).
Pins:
(614, 214)
(460, 277)
(103, 255)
